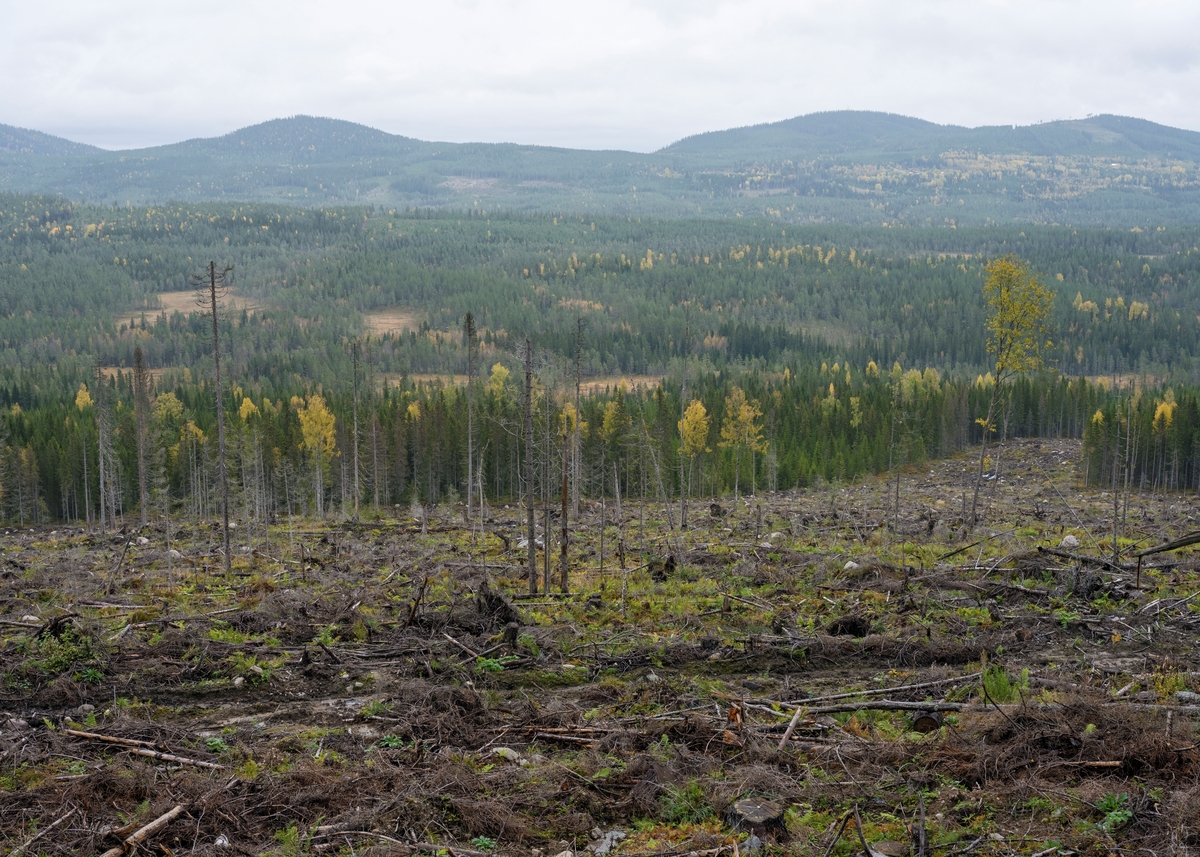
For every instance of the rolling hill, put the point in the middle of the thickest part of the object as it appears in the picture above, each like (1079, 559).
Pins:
(860, 135)
(846, 166)
(22, 141)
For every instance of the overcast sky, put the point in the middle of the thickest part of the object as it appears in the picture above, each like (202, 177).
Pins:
(618, 73)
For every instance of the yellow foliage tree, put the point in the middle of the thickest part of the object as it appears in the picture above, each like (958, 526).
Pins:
(248, 409)
(693, 433)
(83, 399)
(498, 382)
(319, 437)
(167, 409)
(1018, 327)
(741, 432)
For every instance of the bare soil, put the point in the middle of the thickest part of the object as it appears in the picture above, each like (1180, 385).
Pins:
(361, 687)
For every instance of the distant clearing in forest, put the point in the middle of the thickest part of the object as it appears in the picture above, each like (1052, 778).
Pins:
(156, 373)
(589, 386)
(395, 319)
(597, 385)
(185, 302)
(427, 377)
(1132, 381)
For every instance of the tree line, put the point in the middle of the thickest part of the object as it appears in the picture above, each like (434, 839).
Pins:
(126, 446)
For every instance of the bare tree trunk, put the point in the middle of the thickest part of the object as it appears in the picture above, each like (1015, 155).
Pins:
(620, 517)
(141, 404)
(215, 280)
(528, 469)
(987, 427)
(564, 538)
(87, 489)
(357, 492)
(469, 337)
(603, 509)
(575, 449)
(682, 491)
(1116, 481)
(375, 460)
(545, 477)
(737, 475)
(101, 448)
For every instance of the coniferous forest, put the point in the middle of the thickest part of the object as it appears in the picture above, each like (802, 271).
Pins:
(350, 379)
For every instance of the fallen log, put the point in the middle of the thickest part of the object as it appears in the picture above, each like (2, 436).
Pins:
(1176, 544)
(140, 836)
(141, 748)
(109, 739)
(1083, 558)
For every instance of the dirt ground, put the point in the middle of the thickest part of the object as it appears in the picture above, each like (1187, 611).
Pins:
(389, 686)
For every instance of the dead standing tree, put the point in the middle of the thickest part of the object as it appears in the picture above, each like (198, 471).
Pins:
(565, 538)
(141, 406)
(527, 470)
(469, 342)
(106, 457)
(575, 447)
(357, 363)
(211, 287)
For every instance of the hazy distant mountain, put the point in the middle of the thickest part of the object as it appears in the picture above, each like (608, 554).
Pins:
(851, 166)
(854, 135)
(23, 141)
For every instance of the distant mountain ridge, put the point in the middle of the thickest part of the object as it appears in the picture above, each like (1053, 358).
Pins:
(850, 166)
(863, 132)
(302, 137)
(23, 141)
(839, 132)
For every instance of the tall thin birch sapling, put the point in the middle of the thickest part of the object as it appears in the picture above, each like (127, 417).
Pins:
(1018, 326)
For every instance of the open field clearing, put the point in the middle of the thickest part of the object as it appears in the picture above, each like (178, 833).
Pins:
(855, 671)
(392, 320)
(591, 386)
(186, 302)
(111, 372)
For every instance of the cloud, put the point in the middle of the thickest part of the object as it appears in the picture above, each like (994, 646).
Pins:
(622, 73)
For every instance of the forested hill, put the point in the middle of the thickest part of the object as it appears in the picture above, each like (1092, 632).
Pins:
(847, 166)
(857, 136)
(22, 141)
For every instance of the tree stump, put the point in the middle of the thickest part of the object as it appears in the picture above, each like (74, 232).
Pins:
(661, 569)
(926, 721)
(849, 626)
(761, 817)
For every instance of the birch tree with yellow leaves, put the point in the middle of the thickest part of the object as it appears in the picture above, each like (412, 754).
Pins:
(1018, 327)
(693, 434)
(319, 439)
(741, 432)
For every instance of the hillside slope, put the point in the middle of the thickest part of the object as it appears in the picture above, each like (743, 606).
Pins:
(23, 141)
(861, 135)
(845, 166)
